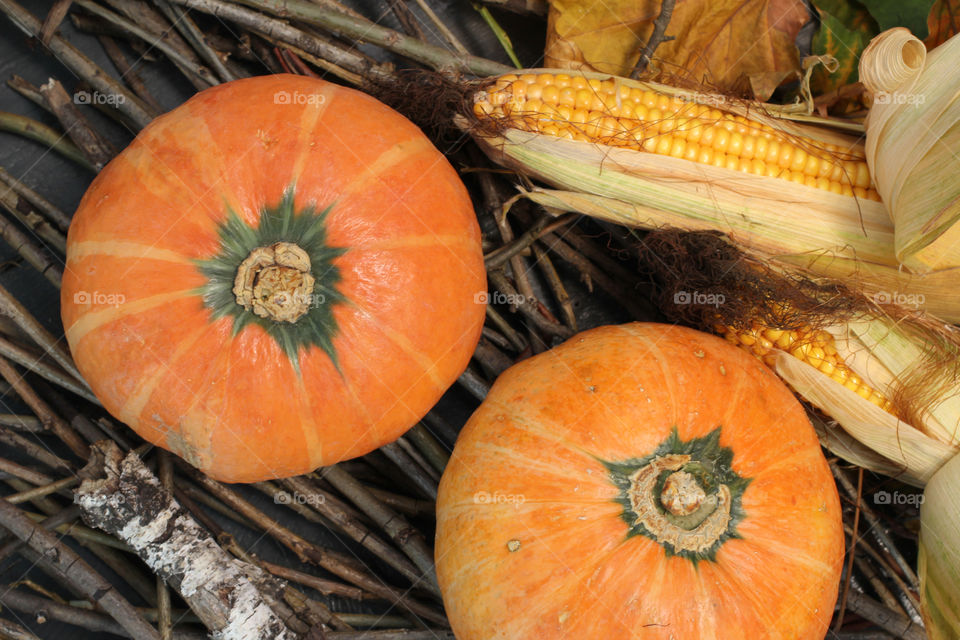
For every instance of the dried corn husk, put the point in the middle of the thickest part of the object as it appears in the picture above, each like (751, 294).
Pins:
(913, 133)
(915, 368)
(939, 559)
(792, 225)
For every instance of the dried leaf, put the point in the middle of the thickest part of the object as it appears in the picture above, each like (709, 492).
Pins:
(943, 22)
(730, 45)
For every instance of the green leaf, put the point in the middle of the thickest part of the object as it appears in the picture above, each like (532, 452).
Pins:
(845, 30)
(911, 14)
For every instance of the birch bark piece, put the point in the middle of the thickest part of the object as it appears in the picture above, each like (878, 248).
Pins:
(122, 497)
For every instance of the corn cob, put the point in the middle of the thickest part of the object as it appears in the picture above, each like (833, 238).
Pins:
(614, 114)
(815, 347)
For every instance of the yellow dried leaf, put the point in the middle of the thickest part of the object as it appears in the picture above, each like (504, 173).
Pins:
(731, 45)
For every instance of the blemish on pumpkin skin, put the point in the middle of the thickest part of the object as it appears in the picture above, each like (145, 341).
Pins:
(699, 353)
(513, 545)
(563, 617)
(265, 139)
(723, 370)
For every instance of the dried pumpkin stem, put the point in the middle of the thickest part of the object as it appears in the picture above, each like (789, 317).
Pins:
(275, 282)
(693, 522)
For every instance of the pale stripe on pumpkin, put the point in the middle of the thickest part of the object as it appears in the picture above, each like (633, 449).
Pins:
(407, 348)
(309, 119)
(308, 421)
(121, 249)
(392, 157)
(91, 320)
(132, 409)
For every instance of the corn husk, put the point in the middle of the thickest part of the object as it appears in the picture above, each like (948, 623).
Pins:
(790, 224)
(939, 558)
(913, 132)
(904, 364)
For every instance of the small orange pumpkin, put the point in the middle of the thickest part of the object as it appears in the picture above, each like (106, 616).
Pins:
(277, 275)
(642, 481)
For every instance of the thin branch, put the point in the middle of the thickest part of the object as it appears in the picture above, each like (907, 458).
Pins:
(74, 570)
(80, 64)
(50, 138)
(367, 31)
(656, 38)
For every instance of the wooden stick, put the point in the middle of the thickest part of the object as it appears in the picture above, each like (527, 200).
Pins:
(344, 521)
(97, 150)
(35, 364)
(35, 256)
(11, 308)
(425, 481)
(89, 620)
(28, 214)
(395, 526)
(131, 106)
(309, 552)
(367, 31)
(73, 569)
(49, 419)
(55, 215)
(24, 126)
(273, 29)
(127, 72)
(658, 36)
(188, 29)
(122, 497)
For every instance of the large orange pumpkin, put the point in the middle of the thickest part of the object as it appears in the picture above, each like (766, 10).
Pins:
(279, 274)
(641, 482)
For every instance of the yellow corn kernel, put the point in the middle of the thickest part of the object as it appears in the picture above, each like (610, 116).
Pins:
(613, 112)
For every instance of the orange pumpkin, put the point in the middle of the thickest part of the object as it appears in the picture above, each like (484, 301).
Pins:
(645, 482)
(277, 275)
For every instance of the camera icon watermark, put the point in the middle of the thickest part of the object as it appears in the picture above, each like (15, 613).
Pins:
(884, 97)
(310, 499)
(698, 298)
(510, 299)
(298, 98)
(485, 497)
(911, 300)
(898, 498)
(97, 97)
(98, 297)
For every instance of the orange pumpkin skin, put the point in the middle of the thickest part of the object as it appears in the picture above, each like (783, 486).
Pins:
(394, 253)
(532, 541)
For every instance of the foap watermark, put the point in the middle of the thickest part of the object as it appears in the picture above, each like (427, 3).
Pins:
(283, 497)
(884, 97)
(298, 97)
(912, 300)
(311, 300)
(898, 497)
(706, 99)
(99, 297)
(497, 297)
(698, 298)
(98, 97)
(485, 497)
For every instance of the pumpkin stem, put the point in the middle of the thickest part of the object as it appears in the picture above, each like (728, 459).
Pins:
(275, 282)
(686, 517)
